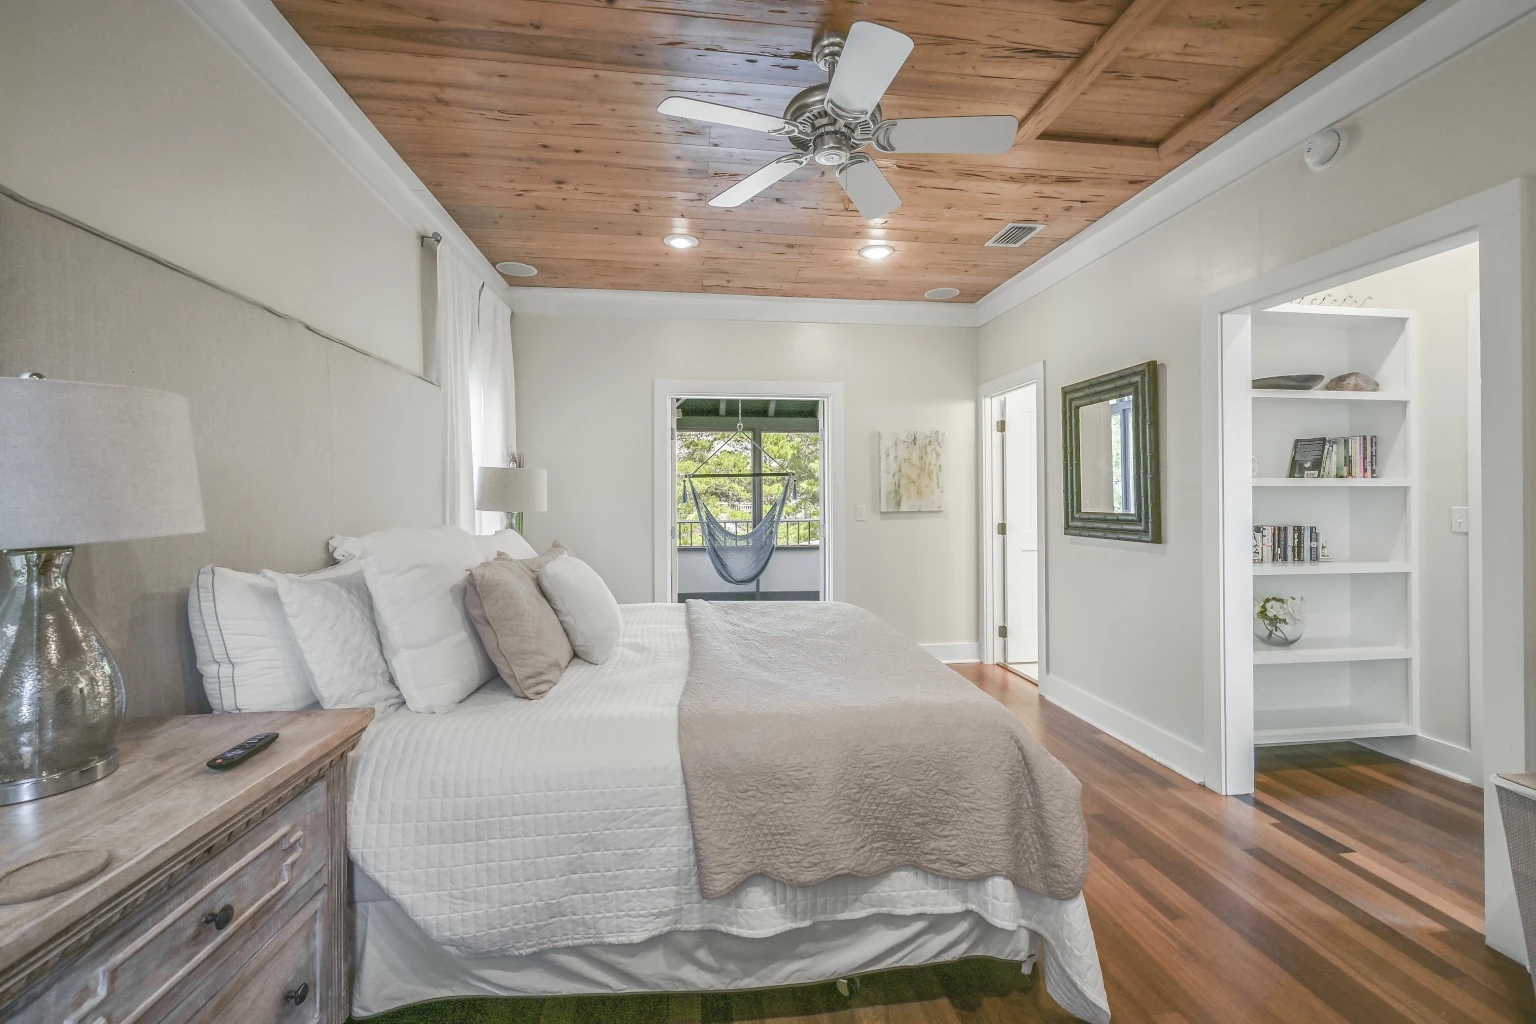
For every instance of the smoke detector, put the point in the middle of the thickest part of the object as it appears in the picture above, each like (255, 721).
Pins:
(1015, 235)
(1324, 149)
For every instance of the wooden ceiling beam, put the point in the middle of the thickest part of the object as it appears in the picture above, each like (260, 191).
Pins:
(1261, 78)
(1081, 75)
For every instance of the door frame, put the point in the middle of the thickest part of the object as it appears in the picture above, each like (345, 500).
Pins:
(664, 471)
(1495, 219)
(986, 529)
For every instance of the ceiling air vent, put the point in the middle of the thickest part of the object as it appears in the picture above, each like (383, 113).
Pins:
(1015, 235)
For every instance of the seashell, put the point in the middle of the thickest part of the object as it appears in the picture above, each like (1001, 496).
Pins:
(1352, 382)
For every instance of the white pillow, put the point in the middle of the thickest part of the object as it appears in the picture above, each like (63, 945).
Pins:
(417, 578)
(584, 605)
(332, 622)
(505, 542)
(245, 649)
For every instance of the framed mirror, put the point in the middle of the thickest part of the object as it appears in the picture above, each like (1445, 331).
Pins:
(1112, 483)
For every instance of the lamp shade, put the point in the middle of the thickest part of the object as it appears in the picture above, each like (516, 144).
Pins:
(509, 489)
(81, 463)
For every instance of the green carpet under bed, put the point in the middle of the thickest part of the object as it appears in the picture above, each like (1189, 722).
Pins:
(966, 984)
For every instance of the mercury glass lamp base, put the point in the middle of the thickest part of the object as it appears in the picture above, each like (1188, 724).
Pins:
(63, 782)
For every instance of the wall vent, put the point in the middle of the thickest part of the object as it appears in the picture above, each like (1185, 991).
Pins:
(1015, 235)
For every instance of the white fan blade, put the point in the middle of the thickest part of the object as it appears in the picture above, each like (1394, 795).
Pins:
(719, 113)
(871, 57)
(868, 189)
(759, 180)
(992, 133)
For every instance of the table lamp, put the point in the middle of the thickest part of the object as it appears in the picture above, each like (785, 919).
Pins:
(79, 464)
(512, 489)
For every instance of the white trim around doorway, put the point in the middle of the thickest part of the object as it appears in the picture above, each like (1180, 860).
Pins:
(664, 470)
(1495, 219)
(986, 528)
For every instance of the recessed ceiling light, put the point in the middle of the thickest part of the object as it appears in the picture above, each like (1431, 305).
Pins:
(517, 269)
(941, 293)
(681, 241)
(878, 251)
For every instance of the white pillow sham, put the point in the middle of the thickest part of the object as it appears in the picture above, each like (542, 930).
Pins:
(584, 605)
(332, 623)
(417, 577)
(245, 649)
(505, 542)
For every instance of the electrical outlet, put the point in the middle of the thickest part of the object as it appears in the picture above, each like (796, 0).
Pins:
(861, 512)
(1459, 519)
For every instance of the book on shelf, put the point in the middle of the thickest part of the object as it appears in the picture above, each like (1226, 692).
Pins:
(1350, 458)
(1286, 544)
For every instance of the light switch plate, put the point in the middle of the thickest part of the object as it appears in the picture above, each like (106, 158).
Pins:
(1459, 520)
(861, 512)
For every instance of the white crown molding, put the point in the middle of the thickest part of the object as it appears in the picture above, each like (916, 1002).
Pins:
(1419, 41)
(270, 47)
(766, 308)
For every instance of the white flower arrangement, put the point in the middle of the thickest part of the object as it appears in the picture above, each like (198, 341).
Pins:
(1280, 619)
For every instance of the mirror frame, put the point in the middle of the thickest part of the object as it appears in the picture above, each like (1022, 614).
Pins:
(1145, 525)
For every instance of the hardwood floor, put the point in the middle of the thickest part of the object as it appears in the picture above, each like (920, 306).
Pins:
(1347, 890)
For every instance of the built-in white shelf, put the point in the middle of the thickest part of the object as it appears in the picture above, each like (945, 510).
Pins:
(1310, 651)
(1355, 672)
(1331, 481)
(1316, 725)
(1327, 568)
(1331, 396)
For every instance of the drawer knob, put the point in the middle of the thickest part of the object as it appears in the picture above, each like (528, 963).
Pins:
(298, 995)
(220, 918)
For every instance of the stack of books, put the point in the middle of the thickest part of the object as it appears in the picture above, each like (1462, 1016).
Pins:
(1286, 544)
(1351, 457)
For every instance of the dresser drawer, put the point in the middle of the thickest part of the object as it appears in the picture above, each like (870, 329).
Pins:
(136, 974)
(284, 983)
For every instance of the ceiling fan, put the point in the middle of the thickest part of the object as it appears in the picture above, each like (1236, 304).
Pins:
(830, 123)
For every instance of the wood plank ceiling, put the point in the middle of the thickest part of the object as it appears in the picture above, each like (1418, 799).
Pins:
(534, 123)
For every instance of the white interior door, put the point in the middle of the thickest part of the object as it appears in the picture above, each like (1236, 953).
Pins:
(1021, 542)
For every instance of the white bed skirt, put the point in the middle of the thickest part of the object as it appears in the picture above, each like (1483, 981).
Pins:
(398, 964)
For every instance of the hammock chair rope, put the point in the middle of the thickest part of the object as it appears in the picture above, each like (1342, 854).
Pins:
(741, 558)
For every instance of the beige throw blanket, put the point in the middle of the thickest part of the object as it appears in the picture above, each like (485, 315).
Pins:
(818, 741)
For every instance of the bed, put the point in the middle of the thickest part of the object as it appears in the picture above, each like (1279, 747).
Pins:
(514, 847)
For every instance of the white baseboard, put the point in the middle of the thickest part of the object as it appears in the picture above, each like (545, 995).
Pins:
(1427, 752)
(1156, 742)
(954, 654)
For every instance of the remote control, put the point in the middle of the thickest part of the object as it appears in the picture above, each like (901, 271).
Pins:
(242, 752)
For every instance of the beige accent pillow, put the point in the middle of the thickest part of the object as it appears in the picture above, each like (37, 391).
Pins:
(516, 624)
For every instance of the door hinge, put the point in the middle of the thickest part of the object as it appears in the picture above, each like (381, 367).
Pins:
(1002, 632)
(1002, 426)
(1002, 529)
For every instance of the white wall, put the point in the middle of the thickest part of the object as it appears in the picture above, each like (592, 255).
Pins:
(1455, 131)
(1438, 289)
(130, 116)
(584, 412)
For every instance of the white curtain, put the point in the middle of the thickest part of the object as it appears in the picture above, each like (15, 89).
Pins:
(474, 369)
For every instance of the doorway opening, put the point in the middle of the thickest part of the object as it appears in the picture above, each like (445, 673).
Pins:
(748, 470)
(1013, 595)
(1401, 470)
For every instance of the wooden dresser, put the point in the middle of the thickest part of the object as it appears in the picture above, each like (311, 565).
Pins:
(223, 897)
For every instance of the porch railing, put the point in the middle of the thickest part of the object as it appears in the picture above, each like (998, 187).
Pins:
(793, 533)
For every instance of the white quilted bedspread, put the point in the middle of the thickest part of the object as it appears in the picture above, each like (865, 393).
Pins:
(510, 826)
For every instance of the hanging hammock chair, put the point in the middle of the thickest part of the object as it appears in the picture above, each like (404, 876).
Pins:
(741, 558)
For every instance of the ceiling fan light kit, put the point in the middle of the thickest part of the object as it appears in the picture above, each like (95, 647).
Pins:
(830, 123)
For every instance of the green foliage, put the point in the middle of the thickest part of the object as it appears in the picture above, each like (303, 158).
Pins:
(730, 499)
